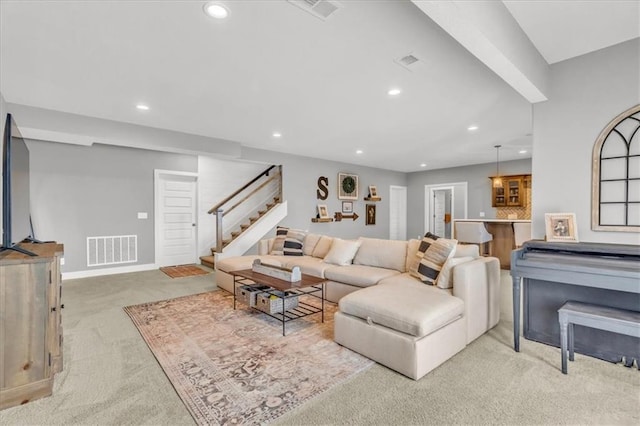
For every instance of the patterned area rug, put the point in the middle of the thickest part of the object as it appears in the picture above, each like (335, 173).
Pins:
(183, 271)
(235, 367)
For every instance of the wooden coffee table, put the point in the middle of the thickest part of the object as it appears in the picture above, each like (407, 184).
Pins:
(307, 286)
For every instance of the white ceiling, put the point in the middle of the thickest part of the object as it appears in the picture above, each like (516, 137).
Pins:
(273, 67)
(564, 29)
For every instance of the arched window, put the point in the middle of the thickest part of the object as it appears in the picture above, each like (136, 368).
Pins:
(615, 201)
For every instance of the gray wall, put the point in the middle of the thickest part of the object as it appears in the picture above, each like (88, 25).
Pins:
(479, 189)
(79, 192)
(587, 92)
(20, 177)
(300, 184)
(20, 228)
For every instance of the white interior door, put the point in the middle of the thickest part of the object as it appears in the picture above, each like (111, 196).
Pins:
(398, 212)
(175, 216)
(439, 209)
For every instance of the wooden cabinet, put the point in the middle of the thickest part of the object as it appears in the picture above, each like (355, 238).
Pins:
(30, 323)
(511, 193)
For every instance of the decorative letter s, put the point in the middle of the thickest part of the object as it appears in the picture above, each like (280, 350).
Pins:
(323, 189)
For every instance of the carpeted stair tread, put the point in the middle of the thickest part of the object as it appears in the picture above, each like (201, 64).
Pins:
(208, 261)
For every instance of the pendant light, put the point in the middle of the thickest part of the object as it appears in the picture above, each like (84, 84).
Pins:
(497, 181)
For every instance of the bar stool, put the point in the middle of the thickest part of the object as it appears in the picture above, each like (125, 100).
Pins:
(521, 232)
(474, 233)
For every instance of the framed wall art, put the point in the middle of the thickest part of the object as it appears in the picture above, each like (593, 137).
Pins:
(347, 207)
(371, 214)
(323, 211)
(561, 227)
(615, 203)
(347, 186)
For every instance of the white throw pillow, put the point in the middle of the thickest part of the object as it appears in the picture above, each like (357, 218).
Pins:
(445, 278)
(342, 252)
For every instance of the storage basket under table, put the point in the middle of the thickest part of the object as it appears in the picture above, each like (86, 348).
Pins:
(273, 302)
(247, 293)
(281, 299)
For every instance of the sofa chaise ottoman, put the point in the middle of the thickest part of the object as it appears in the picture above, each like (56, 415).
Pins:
(412, 328)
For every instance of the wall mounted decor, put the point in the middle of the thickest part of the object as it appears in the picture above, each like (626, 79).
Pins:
(371, 214)
(347, 186)
(347, 207)
(323, 211)
(323, 188)
(373, 194)
(615, 178)
(338, 216)
(561, 227)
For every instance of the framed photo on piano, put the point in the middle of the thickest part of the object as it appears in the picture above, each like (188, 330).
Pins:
(561, 227)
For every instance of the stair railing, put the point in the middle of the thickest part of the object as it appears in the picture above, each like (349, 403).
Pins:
(272, 173)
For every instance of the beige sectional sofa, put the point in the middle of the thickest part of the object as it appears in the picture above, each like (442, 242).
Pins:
(385, 312)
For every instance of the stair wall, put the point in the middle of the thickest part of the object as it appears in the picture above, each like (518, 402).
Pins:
(255, 232)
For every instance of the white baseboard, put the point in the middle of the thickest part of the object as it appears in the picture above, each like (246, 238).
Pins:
(108, 271)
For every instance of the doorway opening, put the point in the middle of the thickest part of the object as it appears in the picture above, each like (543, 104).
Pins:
(444, 203)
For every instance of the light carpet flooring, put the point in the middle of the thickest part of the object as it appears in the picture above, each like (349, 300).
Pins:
(110, 377)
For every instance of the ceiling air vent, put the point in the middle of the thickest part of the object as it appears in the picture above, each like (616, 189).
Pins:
(408, 61)
(319, 8)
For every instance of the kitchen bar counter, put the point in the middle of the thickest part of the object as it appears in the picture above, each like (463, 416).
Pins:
(503, 237)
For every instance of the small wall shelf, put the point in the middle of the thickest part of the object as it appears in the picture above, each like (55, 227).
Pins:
(321, 220)
(373, 199)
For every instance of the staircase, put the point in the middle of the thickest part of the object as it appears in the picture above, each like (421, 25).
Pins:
(244, 217)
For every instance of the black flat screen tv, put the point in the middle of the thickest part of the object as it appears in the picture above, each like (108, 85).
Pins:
(16, 217)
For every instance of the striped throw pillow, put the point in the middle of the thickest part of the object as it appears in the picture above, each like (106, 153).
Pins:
(433, 254)
(293, 242)
(278, 244)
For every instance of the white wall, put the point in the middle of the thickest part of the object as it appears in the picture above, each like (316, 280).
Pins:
(217, 179)
(586, 93)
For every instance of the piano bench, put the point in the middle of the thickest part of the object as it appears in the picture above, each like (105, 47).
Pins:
(600, 317)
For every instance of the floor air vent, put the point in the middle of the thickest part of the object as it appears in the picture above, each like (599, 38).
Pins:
(112, 250)
(319, 8)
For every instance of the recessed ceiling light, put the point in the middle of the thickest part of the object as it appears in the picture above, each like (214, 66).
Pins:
(277, 135)
(359, 151)
(394, 92)
(142, 107)
(423, 165)
(472, 128)
(216, 10)
(522, 151)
